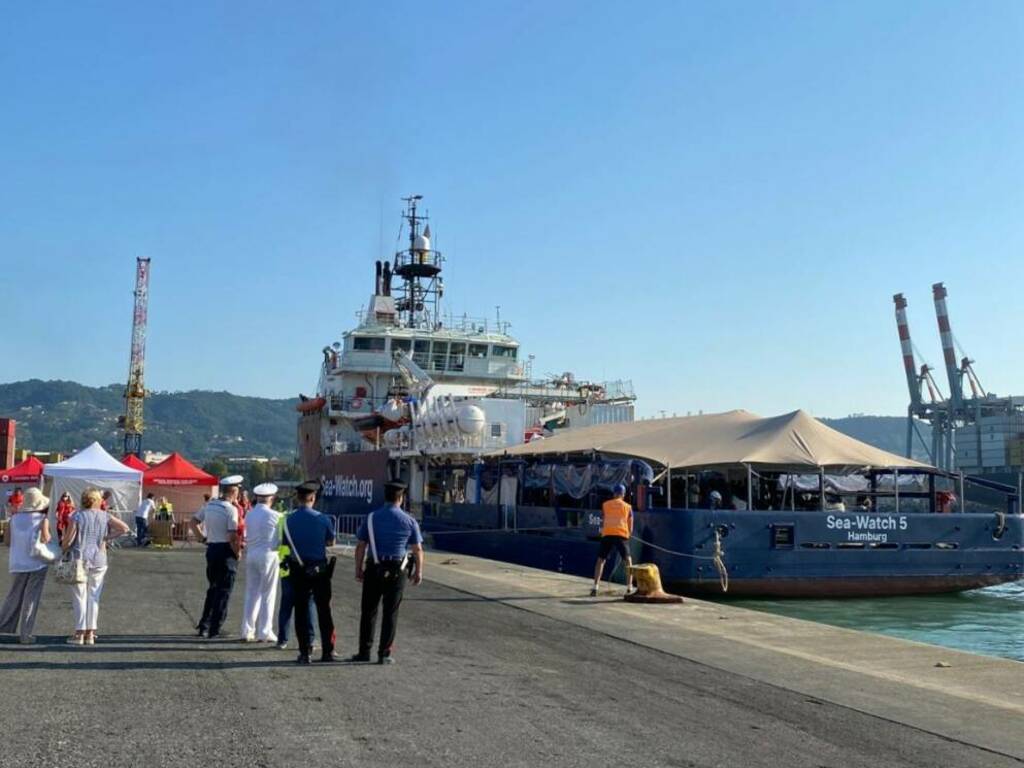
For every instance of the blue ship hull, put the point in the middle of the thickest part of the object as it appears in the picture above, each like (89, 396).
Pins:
(778, 554)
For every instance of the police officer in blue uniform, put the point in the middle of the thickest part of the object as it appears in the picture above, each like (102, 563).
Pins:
(391, 536)
(308, 534)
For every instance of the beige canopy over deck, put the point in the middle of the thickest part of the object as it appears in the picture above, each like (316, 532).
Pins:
(789, 441)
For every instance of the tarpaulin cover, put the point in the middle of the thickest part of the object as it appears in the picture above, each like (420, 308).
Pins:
(578, 481)
(852, 483)
(794, 439)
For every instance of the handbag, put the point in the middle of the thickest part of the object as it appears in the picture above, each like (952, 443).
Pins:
(70, 570)
(42, 552)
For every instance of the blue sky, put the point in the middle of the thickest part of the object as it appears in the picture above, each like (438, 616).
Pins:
(717, 200)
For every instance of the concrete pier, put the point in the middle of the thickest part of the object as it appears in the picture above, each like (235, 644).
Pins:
(497, 665)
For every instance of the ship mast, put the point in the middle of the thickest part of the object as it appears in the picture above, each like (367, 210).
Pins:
(419, 268)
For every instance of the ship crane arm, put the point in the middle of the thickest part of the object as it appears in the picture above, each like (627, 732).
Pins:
(415, 379)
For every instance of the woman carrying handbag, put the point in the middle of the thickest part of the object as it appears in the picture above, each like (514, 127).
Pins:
(29, 533)
(85, 540)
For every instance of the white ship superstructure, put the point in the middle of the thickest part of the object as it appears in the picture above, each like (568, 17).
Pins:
(417, 383)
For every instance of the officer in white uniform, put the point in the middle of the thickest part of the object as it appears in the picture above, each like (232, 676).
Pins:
(219, 521)
(262, 538)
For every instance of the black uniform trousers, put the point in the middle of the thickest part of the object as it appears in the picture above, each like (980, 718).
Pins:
(383, 582)
(319, 587)
(221, 565)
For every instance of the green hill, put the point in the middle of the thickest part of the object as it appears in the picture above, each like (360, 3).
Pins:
(65, 416)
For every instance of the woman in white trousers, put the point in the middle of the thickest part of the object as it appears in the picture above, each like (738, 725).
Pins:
(86, 538)
(262, 538)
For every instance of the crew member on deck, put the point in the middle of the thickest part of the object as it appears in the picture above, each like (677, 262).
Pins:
(616, 528)
(308, 534)
(391, 535)
(220, 520)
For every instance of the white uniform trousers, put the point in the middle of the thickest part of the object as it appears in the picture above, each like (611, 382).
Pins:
(261, 580)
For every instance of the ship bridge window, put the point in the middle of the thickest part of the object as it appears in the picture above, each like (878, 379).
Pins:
(403, 344)
(478, 350)
(421, 351)
(457, 356)
(369, 343)
(500, 351)
(439, 356)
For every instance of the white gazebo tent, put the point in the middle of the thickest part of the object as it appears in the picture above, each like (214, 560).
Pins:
(93, 467)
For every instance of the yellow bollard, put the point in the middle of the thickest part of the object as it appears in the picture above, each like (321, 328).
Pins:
(648, 586)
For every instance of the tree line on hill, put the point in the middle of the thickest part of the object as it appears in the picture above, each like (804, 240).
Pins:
(213, 426)
(65, 416)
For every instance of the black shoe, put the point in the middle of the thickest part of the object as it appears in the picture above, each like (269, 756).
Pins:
(360, 658)
(388, 659)
(202, 633)
(220, 635)
(303, 659)
(330, 657)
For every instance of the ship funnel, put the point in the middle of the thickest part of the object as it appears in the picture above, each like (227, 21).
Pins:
(378, 285)
(387, 278)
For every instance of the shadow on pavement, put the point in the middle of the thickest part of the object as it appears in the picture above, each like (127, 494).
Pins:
(103, 666)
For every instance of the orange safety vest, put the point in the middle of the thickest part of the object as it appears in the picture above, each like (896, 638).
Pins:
(617, 518)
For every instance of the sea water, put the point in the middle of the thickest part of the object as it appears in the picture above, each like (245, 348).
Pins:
(989, 621)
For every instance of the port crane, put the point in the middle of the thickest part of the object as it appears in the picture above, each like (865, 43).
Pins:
(957, 421)
(132, 421)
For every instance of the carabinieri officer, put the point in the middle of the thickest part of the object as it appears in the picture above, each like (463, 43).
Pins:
(390, 534)
(308, 534)
(220, 520)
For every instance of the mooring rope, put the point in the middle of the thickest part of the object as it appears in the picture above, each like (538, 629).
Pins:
(717, 557)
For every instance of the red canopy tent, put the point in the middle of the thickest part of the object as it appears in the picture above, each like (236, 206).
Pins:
(133, 461)
(182, 483)
(27, 473)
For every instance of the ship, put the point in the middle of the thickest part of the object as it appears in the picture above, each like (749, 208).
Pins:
(505, 465)
(413, 388)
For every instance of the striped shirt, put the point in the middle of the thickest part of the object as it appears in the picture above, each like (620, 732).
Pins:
(90, 542)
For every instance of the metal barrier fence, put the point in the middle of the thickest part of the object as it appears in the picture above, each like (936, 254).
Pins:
(347, 525)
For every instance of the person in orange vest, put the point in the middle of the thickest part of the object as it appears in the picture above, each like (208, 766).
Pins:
(616, 528)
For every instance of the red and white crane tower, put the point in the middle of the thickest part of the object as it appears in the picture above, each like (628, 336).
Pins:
(135, 392)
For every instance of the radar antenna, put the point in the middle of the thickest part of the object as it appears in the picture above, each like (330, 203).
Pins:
(419, 268)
